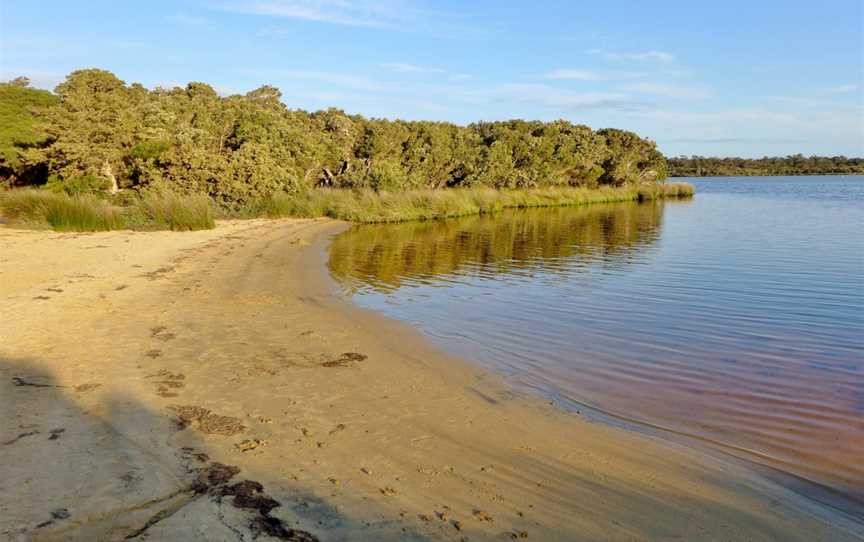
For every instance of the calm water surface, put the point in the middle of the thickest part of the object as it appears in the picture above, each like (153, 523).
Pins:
(736, 318)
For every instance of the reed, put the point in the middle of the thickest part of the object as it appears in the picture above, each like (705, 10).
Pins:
(168, 211)
(371, 207)
(60, 211)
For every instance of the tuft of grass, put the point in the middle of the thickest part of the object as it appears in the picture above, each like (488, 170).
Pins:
(169, 211)
(60, 211)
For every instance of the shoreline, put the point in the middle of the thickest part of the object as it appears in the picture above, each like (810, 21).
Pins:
(395, 441)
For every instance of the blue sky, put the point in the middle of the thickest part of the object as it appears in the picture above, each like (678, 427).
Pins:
(713, 78)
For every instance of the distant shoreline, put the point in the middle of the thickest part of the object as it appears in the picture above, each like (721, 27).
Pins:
(768, 166)
(855, 174)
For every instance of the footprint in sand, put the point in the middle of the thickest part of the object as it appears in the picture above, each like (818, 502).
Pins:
(168, 381)
(161, 333)
(206, 421)
(250, 444)
(89, 386)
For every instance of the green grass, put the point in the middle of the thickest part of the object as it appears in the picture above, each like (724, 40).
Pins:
(170, 211)
(62, 212)
(369, 206)
(167, 211)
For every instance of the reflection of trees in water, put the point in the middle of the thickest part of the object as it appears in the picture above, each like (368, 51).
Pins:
(535, 239)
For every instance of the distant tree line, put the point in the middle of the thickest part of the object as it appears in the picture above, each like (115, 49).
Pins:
(95, 132)
(700, 166)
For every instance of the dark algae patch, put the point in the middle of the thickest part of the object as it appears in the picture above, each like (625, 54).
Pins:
(249, 495)
(347, 359)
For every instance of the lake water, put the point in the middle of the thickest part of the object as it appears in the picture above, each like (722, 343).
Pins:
(736, 318)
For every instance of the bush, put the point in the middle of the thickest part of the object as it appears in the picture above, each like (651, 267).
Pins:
(84, 184)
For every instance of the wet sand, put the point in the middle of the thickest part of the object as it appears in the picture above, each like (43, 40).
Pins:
(215, 386)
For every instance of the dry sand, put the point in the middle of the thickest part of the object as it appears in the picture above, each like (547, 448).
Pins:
(215, 386)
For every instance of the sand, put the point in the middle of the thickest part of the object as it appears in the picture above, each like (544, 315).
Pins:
(216, 386)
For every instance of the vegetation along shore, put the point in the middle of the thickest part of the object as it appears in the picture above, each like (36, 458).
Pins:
(797, 164)
(102, 155)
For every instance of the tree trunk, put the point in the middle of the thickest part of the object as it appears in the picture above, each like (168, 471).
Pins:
(107, 172)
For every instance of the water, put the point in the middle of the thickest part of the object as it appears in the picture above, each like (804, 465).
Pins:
(736, 318)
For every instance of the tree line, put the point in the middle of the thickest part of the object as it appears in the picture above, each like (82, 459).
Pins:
(95, 132)
(798, 164)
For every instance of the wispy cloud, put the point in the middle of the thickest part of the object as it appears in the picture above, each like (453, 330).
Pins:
(649, 56)
(186, 20)
(724, 118)
(668, 91)
(382, 13)
(343, 80)
(843, 89)
(549, 96)
(410, 16)
(733, 140)
(573, 75)
(404, 67)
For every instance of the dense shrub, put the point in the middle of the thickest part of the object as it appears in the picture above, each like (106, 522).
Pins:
(238, 149)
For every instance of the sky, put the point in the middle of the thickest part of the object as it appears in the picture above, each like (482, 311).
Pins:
(731, 78)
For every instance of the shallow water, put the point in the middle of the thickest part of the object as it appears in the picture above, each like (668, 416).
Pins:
(737, 318)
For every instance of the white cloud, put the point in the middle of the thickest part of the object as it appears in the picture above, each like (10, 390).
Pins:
(668, 91)
(726, 118)
(403, 67)
(187, 20)
(332, 78)
(381, 13)
(548, 96)
(573, 75)
(651, 56)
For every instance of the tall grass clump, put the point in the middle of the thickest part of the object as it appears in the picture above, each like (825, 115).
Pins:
(60, 211)
(169, 211)
(665, 190)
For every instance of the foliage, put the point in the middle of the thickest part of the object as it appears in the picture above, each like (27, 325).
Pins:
(700, 166)
(85, 184)
(242, 149)
(22, 127)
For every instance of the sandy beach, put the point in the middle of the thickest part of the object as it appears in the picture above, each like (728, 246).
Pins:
(215, 385)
